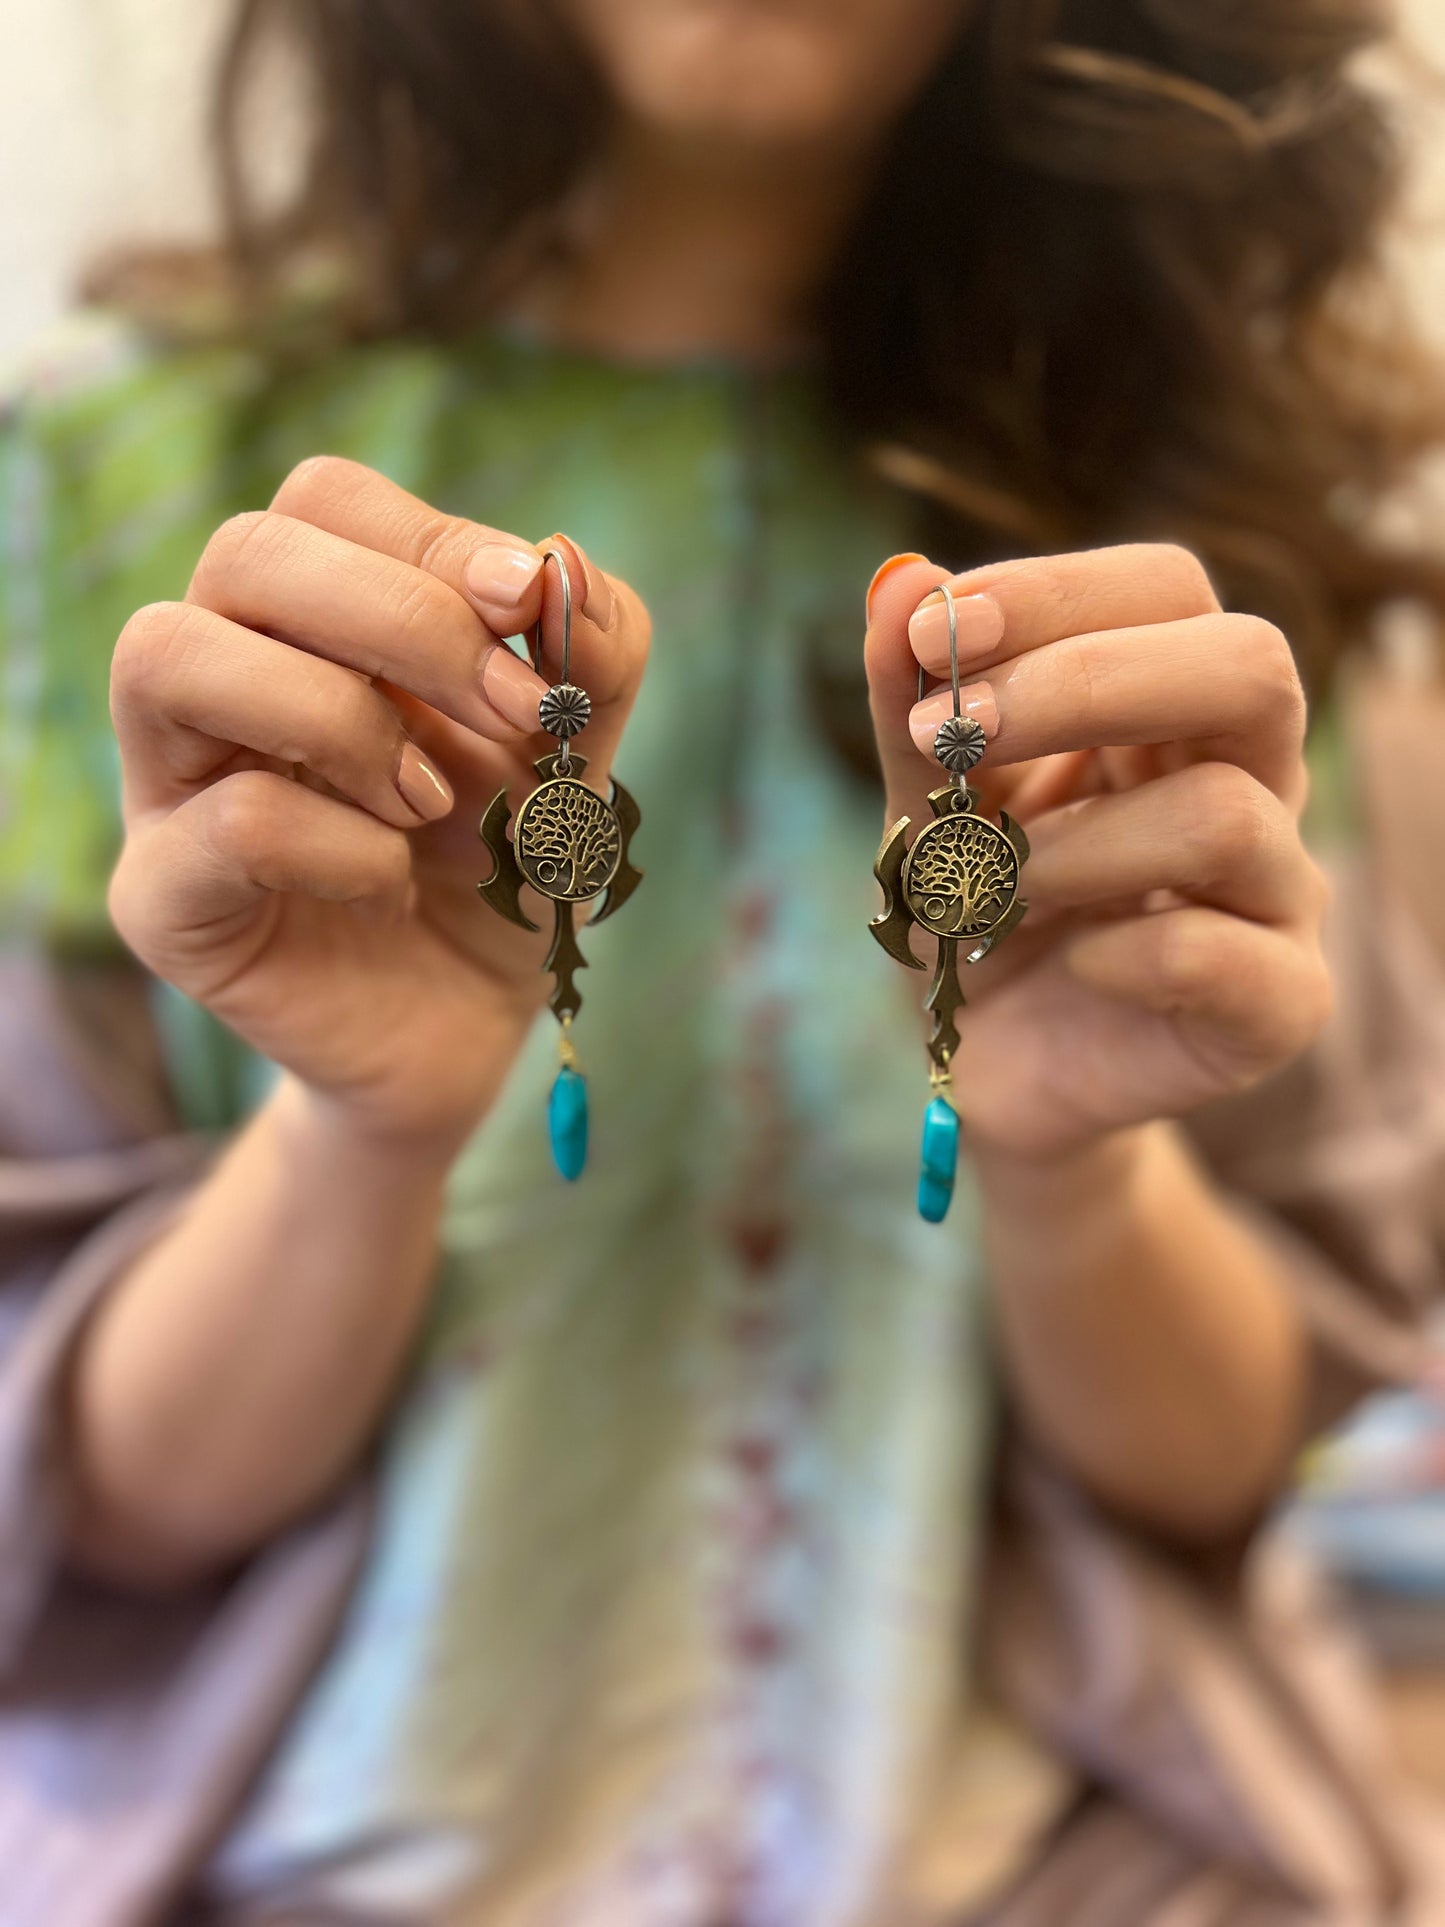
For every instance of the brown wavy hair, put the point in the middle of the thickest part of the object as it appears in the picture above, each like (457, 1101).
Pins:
(1119, 273)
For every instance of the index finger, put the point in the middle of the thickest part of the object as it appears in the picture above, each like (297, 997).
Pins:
(346, 499)
(1009, 608)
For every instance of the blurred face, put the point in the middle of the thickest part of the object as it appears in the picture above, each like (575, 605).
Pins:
(766, 74)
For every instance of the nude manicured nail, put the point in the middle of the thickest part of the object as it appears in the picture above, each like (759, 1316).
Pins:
(423, 788)
(976, 700)
(980, 630)
(882, 575)
(513, 689)
(598, 602)
(501, 575)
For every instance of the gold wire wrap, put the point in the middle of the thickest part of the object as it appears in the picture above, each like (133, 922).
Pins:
(566, 1049)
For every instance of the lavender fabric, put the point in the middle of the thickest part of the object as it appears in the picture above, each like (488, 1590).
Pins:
(1211, 1707)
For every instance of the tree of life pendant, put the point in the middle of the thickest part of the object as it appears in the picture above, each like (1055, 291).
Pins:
(573, 847)
(959, 882)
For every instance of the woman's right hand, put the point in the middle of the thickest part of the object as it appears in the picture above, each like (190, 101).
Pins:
(309, 741)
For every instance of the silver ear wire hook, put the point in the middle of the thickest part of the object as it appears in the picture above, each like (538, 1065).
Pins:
(555, 555)
(959, 742)
(564, 753)
(952, 608)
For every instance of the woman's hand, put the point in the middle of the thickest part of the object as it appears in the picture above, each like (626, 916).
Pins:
(1151, 745)
(309, 741)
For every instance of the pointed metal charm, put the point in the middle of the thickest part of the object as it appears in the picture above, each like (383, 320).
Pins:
(959, 882)
(571, 846)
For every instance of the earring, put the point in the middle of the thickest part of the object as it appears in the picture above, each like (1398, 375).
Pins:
(960, 882)
(570, 845)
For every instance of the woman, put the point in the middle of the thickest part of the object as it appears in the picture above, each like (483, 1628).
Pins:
(396, 1534)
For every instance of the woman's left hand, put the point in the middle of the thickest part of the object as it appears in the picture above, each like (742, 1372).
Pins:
(1151, 745)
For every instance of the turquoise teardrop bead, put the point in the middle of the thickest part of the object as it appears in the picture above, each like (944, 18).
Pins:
(567, 1123)
(940, 1160)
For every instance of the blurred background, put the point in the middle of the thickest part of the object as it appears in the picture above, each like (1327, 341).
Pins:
(102, 104)
(123, 83)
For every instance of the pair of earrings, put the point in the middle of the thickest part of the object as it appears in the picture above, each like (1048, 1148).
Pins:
(958, 880)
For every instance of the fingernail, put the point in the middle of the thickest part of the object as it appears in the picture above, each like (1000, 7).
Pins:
(598, 603)
(513, 689)
(500, 574)
(423, 788)
(893, 562)
(980, 629)
(976, 700)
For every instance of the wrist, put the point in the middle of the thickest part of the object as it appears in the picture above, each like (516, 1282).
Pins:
(1068, 1180)
(312, 1123)
(1050, 1214)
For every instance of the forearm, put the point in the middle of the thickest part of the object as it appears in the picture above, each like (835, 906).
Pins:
(1147, 1336)
(234, 1375)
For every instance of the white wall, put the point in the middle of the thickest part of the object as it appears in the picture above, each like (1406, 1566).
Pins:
(102, 104)
(101, 111)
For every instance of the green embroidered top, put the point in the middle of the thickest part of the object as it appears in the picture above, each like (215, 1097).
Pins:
(679, 1502)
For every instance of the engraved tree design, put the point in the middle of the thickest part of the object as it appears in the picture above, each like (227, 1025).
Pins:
(568, 844)
(963, 878)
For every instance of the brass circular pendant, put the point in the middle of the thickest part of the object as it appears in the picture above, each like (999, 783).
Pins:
(567, 840)
(960, 876)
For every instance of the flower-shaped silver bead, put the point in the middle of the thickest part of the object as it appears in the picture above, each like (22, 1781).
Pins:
(565, 711)
(959, 744)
